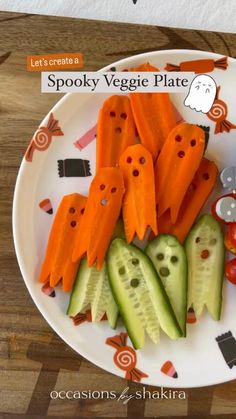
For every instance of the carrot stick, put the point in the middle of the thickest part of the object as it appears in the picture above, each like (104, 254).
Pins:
(154, 116)
(57, 263)
(139, 206)
(101, 214)
(164, 223)
(115, 131)
(176, 165)
(195, 197)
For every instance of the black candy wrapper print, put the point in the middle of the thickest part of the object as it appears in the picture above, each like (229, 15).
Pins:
(207, 132)
(227, 345)
(74, 168)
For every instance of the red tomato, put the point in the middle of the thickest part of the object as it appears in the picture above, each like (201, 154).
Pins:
(230, 271)
(230, 238)
(213, 208)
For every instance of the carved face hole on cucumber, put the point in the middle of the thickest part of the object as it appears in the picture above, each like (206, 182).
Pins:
(135, 172)
(205, 176)
(213, 242)
(142, 160)
(82, 211)
(129, 159)
(73, 223)
(205, 254)
(174, 259)
(164, 271)
(112, 114)
(113, 190)
(122, 270)
(102, 187)
(160, 256)
(178, 138)
(118, 130)
(197, 240)
(135, 261)
(181, 154)
(193, 143)
(134, 282)
(123, 115)
(72, 210)
(104, 201)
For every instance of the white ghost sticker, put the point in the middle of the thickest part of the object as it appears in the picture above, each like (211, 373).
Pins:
(201, 94)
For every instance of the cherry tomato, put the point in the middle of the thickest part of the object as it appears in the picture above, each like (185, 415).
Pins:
(213, 208)
(230, 271)
(230, 238)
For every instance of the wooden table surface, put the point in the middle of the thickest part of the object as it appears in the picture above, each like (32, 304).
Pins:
(33, 360)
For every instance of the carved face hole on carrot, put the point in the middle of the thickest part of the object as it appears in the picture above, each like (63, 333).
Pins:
(57, 265)
(116, 125)
(183, 150)
(139, 206)
(178, 138)
(194, 199)
(206, 176)
(101, 214)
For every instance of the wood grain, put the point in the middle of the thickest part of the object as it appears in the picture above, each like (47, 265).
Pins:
(31, 355)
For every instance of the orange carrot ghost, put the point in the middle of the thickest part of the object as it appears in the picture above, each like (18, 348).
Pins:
(139, 204)
(101, 214)
(57, 265)
(115, 131)
(153, 114)
(176, 165)
(194, 199)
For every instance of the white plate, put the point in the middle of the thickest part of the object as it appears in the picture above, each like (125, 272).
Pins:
(197, 359)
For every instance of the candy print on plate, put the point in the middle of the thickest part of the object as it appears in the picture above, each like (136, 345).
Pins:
(67, 133)
(169, 369)
(125, 357)
(46, 206)
(218, 114)
(43, 137)
(199, 66)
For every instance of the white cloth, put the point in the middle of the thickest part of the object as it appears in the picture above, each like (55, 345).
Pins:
(215, 15)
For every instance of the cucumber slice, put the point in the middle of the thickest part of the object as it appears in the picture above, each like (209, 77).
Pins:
(92, 289)
(139, 294)
(206, 256)
(169, 258)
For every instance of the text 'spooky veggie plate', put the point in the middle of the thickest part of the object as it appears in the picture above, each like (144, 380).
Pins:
(60, 160)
